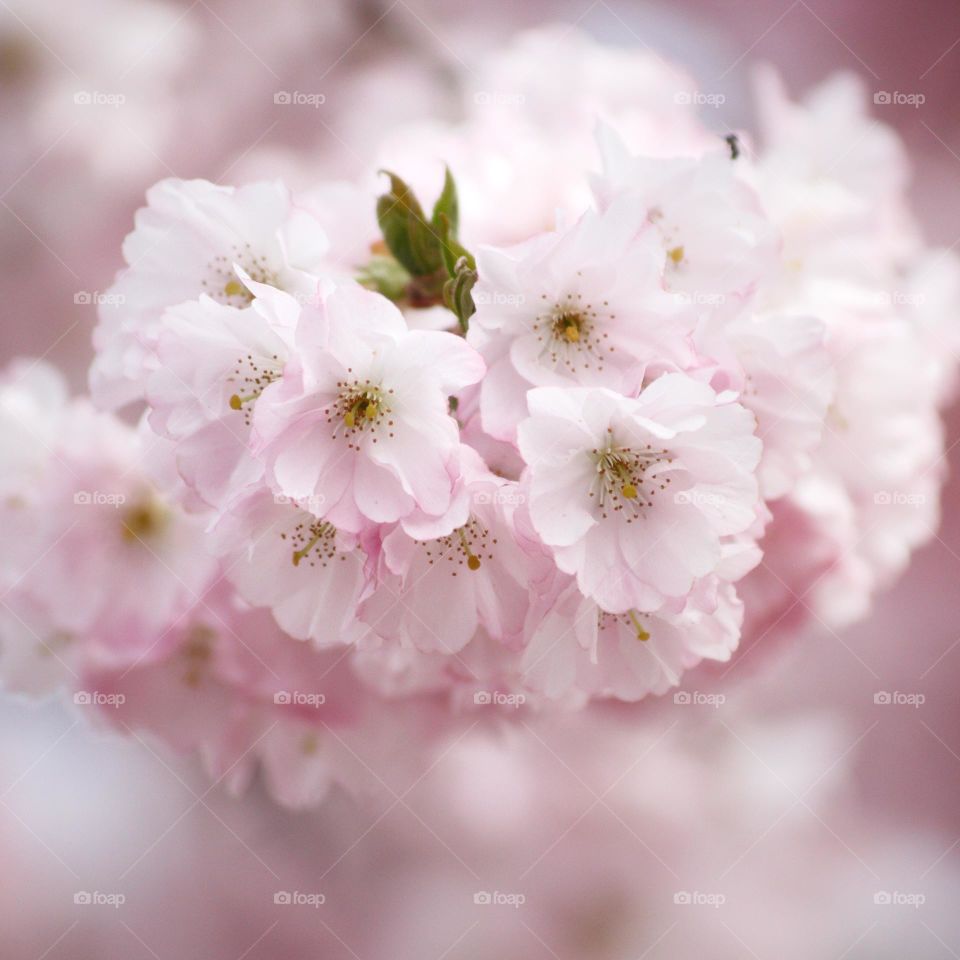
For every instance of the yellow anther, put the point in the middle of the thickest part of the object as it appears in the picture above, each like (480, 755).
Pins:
(234, 288)
(676, 254)
(572, 333)
(235, 402)
(638, 626)
(629, 491)
(473, 562)
(349, 418)
(371, 411)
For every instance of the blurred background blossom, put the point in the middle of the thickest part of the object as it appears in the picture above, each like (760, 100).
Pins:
(800, 803)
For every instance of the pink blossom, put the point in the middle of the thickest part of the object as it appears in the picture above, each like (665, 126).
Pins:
(718, 240)
(311, 575)
(584, 306)
(213, 362)
(635, 496)
(444, 577)
(186, 242)
(359, 426)
(574, 645)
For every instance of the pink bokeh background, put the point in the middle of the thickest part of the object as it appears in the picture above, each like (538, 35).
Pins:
(800, 801)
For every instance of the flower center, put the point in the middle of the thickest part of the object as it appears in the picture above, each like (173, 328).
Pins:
(568, 325)
(253, 377)
(628, 477)
(360, 409)
(314, 541)
(466, 547)
(631, 618)
(571, 334)
(144, 520)
(223, 284)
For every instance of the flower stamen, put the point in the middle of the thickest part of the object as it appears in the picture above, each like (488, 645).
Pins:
(642, 634)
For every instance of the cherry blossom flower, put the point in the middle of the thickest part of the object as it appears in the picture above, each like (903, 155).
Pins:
(214, 361)
(311, 575)
(635, 496)
(111, 562)
(186, 242)
(444, 577)
(584, 306)
(718, 241)
(575, 645)
(359, 424)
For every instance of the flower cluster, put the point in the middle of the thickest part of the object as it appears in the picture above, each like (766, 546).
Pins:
(398, 467)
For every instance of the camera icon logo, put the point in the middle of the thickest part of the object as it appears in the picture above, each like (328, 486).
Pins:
(282, 898)
(882, 898)
(83, 698)
(682, 898)
(482, 898)
(282, 97)
(482, 698)
(882, 97)
(282, 697)
(82, 898)
(681, 697)
(882, 698)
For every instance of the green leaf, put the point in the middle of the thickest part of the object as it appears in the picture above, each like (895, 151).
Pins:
(437, 266)
(451, 248)
(447, 207)
(458, 292)
(412, 239)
